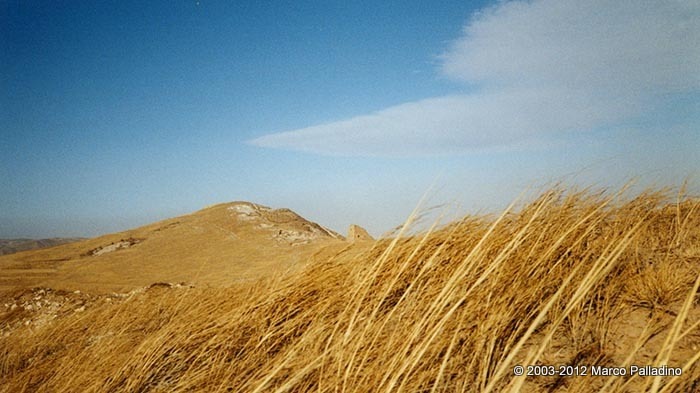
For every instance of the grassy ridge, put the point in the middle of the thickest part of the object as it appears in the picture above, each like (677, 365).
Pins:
(11, 246)
(573, 278)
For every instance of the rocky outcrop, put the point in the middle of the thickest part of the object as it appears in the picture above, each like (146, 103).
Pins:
(357, 233)
(284, 225)
(115, 246)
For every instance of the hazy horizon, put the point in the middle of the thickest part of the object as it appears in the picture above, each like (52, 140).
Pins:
(117, 115)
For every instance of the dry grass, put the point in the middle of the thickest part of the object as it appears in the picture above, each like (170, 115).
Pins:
(573, 278)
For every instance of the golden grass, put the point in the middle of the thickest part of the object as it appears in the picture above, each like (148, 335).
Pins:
(573, 278)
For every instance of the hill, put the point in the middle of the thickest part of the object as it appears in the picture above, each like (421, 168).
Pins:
(11, 246)
(215, 246)
(589, 292)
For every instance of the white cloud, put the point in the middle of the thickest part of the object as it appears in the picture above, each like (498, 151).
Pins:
(626, 47)
(541, 67)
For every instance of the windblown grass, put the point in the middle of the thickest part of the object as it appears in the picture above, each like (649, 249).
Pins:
(573, 278)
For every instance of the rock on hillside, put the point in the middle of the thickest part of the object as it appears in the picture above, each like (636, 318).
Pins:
(357, 233)
(283, 225)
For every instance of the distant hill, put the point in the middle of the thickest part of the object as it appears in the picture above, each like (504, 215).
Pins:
(215, 246)
(11, 246)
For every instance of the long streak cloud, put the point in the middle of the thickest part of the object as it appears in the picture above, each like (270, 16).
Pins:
(540, 68)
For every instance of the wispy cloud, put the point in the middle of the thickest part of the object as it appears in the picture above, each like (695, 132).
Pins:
(537, 68)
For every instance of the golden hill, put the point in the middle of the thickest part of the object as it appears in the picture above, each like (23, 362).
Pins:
(216, 246)
(572, 283)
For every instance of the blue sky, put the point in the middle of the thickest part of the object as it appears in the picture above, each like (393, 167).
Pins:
(116, 115)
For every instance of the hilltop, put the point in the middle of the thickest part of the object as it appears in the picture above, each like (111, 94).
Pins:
(218, 246)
